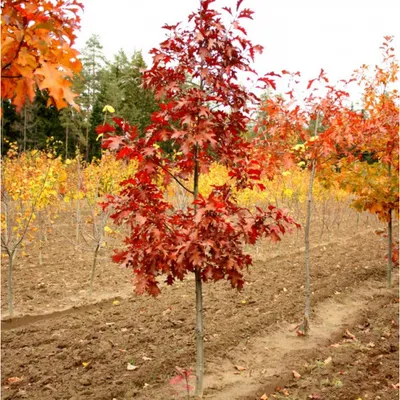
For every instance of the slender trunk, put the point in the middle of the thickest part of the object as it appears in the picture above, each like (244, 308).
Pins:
(78, 209)
(390, 238)
(306, 324)
(78, 221)
(9, 283)
(87, 145)
(199, 300)
(323, 219)
(2, 127)
(96, 252)
(306, 321)
(390, 255)
(199, 335)
(66, 141)
(25, 123)
(40, 220)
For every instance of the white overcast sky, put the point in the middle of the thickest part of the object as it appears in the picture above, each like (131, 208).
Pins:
(297, 35)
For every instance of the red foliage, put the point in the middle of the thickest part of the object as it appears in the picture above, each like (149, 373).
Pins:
(203, 112)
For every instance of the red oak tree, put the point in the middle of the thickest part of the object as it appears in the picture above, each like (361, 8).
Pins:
(203, 113)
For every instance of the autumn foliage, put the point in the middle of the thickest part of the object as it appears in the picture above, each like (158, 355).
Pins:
(203, 113)
(37, 39)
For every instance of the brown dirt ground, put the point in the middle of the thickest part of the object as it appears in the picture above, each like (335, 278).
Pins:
(64, 346)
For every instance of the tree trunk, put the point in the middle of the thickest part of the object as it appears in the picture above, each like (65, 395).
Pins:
(96, 252)
(199, 335)
(78, 208)
(87, 145)
(390, 255)
(390, 238)
(25, 123)
(9, 283)
(307, 311)
(66, 140)
(40, 232)
(306, 323)
(199, 301)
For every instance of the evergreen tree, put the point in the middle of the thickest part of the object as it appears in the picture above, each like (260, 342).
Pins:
(73, 124)
(138, 104)
(89, 87)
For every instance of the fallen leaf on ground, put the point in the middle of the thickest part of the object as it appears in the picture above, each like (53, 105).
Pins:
(14, 379)
(328, 361)
(296, 374)
(146, 358)
(131, 367)
(240, 368)
(371, 344)
(85, 364)
(264, 397)
(116, 302)
(168, 310)
(349, 335)
(300, 331)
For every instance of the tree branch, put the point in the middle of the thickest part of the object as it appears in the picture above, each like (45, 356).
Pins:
(11, 77)
(176, 179)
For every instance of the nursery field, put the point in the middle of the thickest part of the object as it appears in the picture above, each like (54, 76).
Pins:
(192, 229)
(117, 345)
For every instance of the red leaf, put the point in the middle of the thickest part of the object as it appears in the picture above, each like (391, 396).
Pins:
(310, 83)
(176, 380)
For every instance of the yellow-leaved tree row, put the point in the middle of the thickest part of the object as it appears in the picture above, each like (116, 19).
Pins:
(37, 186)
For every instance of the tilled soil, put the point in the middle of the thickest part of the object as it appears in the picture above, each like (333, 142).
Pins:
(83, 352)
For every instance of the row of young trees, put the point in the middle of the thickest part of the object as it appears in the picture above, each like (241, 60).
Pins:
(204, 111)
(100, 82)
(202, 115)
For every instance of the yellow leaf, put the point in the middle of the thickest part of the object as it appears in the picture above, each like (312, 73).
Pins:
(108, 108)
(288, 192)
(108, 229)
(116, 303)
(85, 364)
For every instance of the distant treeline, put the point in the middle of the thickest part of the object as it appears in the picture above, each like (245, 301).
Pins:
(116, 82)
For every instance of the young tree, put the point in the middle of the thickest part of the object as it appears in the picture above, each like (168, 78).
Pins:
(204, 111)
(29, 183)
(37, 38)
(372, 171)
(304, 131)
